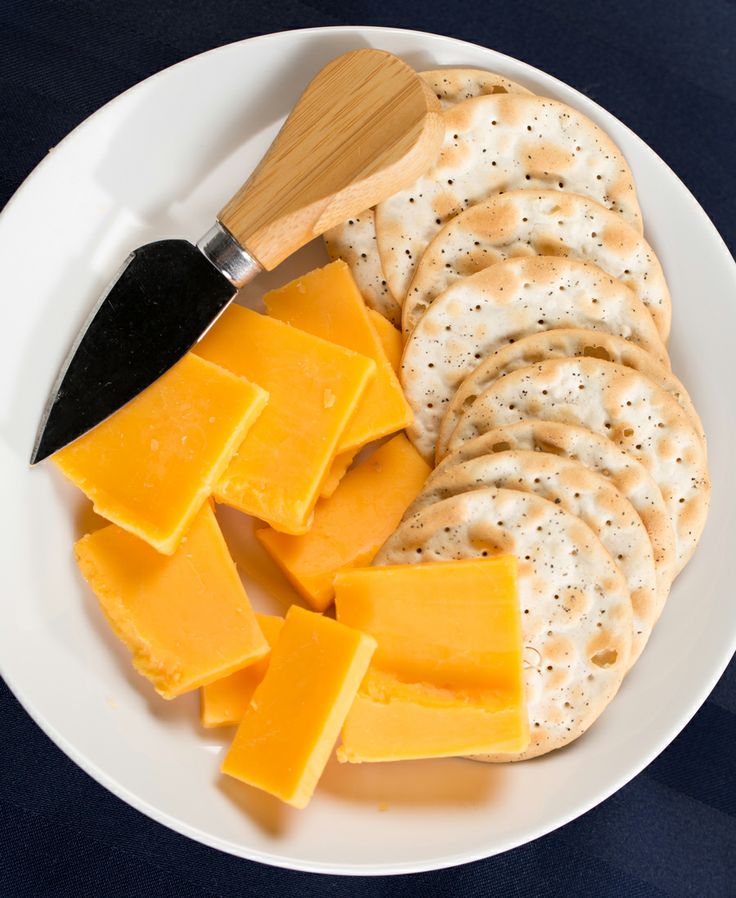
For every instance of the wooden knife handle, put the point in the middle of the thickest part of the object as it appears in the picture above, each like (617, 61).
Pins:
(365, 127)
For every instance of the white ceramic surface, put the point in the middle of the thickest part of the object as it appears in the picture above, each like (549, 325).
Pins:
(159, 161)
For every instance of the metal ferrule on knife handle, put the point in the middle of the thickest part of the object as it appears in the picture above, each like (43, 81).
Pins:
(233, 262)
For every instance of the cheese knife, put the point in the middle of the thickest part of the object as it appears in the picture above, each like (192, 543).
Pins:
(365, 127)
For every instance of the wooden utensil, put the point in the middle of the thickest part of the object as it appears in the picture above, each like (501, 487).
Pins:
(365, 127)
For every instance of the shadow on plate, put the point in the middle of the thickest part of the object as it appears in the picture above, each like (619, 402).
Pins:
(269, 813)
(442, 781)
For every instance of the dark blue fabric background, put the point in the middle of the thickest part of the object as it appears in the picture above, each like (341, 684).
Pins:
(668, 70)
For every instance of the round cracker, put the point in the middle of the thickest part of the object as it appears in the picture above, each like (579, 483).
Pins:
(355, 239)
(546, 223)
(584, 494)
(576, 611)
(457, 84)
(616, 402)
(555, 344)
(494, 144)
(478, 315)
(595, 452)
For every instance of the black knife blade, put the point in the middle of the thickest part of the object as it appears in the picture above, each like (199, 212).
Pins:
(164, 298)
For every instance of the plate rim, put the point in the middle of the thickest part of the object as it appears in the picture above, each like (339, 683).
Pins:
(398, 867)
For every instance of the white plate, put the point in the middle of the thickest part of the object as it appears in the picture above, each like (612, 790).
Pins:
(159, 161)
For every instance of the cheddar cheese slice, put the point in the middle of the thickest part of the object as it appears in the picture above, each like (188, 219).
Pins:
(446, 677)
(224, 702)
(391, 720)
(289, 729)
(352, 525)
(390, 337)
(326, 302)
(150, 466)
(185, 617)
(314, 387)
(393, 346)
(451, 623)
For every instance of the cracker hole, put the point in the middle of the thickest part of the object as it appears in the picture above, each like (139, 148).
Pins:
(596, 352)
(605, 658)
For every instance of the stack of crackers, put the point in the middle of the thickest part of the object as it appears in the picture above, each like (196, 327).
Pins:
(535, 316)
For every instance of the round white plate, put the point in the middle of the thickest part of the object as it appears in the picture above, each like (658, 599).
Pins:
(160, 161)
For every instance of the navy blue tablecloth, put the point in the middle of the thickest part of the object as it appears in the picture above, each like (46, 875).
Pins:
(667, 68)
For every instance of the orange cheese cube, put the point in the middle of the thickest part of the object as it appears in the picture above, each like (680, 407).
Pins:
(314, 387)
(185, 617)
(352, 525)
(224, 702)
(391, 720)
(150, 466)
(390, 337)
(446, 676)
(288, 732)
(326, 302)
